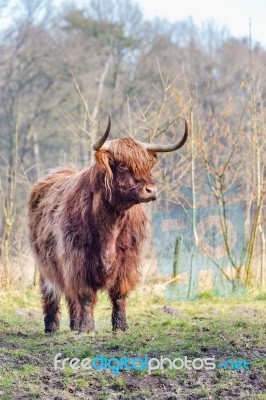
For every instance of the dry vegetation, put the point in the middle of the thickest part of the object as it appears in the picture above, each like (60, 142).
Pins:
(61, 73)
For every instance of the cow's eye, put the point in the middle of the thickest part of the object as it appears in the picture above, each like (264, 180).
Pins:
(122, 167)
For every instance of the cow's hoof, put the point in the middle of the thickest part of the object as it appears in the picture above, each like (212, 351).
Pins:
(86, 326)
(123, 327)
(119, 322)
(74, 326)
(51, 328)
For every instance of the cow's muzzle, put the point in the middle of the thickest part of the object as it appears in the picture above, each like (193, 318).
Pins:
(148, 193)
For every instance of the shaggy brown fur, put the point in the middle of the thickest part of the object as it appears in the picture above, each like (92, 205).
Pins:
(86, 231)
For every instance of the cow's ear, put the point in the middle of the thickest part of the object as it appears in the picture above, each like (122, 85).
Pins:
(153, 155)
(102, 159)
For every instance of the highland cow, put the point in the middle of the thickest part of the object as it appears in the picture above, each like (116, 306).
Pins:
(87, 228)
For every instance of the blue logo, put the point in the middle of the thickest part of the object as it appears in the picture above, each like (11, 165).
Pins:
(236, 364)
(211, 264)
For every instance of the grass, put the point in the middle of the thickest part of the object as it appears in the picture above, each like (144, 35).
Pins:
(224, 329)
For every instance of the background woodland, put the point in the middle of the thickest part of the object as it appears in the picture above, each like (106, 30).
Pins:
(63, 70)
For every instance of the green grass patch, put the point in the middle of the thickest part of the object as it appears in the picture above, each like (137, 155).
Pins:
(226, 329)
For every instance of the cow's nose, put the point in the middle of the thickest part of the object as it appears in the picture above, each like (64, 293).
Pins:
(151, 191)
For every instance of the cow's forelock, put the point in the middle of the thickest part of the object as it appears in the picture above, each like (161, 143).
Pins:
(133, 155)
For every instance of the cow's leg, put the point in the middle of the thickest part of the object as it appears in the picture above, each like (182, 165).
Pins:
(51, 306)
(119, 309)
(74, 313)
(87, 304)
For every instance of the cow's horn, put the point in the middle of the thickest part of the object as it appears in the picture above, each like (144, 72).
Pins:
(100, 144)
(167, 147)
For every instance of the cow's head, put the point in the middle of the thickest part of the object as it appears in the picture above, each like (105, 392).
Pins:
(127, 164)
